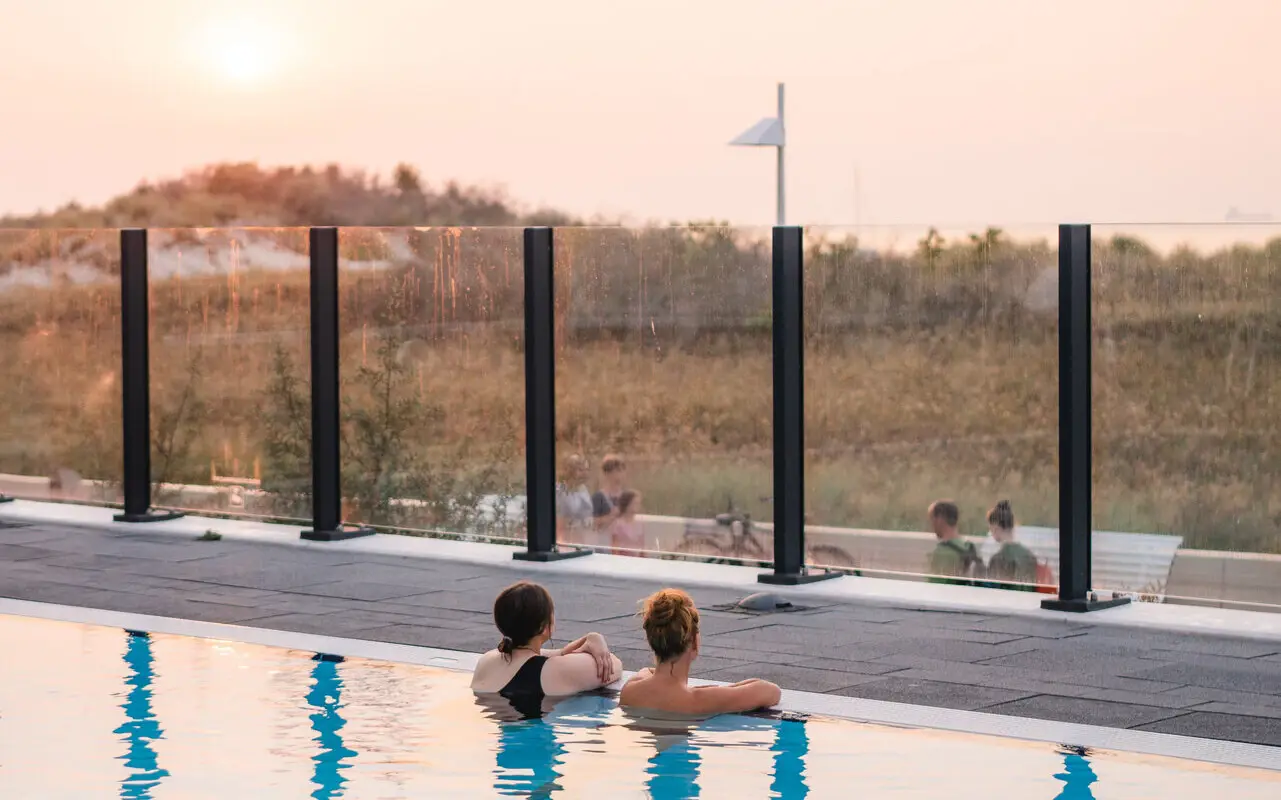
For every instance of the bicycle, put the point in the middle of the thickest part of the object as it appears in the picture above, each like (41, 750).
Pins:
(731, 537)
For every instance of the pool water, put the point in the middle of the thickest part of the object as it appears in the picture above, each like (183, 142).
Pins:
(88, 711)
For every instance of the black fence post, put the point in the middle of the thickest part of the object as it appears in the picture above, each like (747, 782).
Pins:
(326, 463)
(540, 402)
(1076, 481)
(136, 380)
(789, 411)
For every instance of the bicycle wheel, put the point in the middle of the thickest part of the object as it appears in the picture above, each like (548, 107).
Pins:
(826, 555)
(702, 546)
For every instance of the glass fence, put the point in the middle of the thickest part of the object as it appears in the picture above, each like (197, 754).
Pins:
(931, 377)
(931, 374)
(433, 411)
(60, 365)
(1187, 411)
(230, 373)
(663, 390)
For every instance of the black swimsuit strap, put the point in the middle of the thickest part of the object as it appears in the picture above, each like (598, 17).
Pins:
(528, 679)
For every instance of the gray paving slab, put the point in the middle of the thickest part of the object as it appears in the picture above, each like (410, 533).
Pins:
(1197, 695)
(1270, 712)
(1041, 629)
(947, 649)
(1083, 711)
(360, 590)
(898, 689)
(1082, 661)
(844, 665)
(790, 676)
(469, 641)
(24, 552)
(1249, 676)
(1237, 728)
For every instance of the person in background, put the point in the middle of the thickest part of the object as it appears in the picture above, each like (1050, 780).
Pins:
(953, 556)
(1013, 562)
(574, 503)
(626, 533)
(613, 480)
(671, 627)
(521, 670)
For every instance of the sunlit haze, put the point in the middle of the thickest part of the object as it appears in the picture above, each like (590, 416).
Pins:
(988, 111)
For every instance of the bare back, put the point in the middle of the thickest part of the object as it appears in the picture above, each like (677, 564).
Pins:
(671, 694)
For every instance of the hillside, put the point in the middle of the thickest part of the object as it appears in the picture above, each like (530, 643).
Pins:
(247, 195)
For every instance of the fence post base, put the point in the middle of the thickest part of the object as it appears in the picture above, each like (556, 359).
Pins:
(339, 534)
(148, 516)
(548, 555)
(795, 578)
(1081, 605)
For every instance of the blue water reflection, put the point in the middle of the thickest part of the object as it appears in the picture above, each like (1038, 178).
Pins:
(1077, 775)
(141, 727)
(326, 698)
(791, 743)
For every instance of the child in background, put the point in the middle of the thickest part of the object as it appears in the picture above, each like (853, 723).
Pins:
(626, 532)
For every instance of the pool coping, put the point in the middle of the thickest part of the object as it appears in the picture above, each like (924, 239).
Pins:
(1207, 620)
(1216, 751)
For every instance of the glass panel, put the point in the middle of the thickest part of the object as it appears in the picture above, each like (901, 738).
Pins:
(1187, 399)
(433, 379)
(230, 371)
(60, 365)
(931, 374)
(663, 362)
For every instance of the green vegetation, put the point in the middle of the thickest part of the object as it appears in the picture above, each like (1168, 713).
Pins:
(931, 363)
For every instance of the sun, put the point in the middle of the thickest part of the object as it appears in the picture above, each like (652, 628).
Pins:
(245, 53)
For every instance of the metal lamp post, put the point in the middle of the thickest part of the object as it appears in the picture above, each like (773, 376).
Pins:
(770, 132)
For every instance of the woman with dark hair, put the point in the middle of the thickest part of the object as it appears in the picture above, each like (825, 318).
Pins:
(520, 669)
(1013, 563)
(671, 627)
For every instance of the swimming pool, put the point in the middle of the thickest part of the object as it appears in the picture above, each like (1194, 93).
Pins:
(93, 711)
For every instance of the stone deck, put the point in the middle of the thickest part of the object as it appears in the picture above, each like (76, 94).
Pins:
(1073, 670)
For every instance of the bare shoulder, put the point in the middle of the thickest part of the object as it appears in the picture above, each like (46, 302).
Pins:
(491, 669)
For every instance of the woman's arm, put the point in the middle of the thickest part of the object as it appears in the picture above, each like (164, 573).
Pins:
(743, 696)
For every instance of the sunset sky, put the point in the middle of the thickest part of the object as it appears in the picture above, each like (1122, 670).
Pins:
(899, 111)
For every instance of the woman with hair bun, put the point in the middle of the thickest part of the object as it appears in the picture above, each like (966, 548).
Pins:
(521, 670)
(1013, 563)
(671, 627)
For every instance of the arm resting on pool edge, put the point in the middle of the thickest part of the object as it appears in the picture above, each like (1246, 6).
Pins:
(747, 695)
(578, 672)
(594, 645)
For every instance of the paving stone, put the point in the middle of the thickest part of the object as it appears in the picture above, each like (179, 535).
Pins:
(182, 608)
(790, 676)
(843, 665)
(22, 552)
(1196, 695)
(330, 624)
(1249, 676)
(1042, 629)
(423, 636)
(897, 689)
(1256, 730)
(1081, 661)
(1210, 646)
(1271, 712)
(909, 629)
(956, 650)
(359, 590)
(1086, 712)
